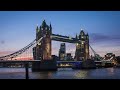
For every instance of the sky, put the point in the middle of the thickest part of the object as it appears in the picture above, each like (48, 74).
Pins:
(18, 29)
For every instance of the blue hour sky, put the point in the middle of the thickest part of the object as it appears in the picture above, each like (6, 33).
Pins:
(17, 29)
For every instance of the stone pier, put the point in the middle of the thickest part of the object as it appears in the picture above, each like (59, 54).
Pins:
(88, 64)
(45, 65)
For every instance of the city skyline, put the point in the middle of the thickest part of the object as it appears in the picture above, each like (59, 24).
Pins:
(18, 29)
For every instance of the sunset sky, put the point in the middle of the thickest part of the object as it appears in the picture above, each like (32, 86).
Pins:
(17, 29)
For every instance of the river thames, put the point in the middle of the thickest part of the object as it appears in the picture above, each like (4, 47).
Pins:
(62, 73)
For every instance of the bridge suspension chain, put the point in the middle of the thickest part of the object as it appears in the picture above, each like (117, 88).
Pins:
(21, 51)
(97, 56)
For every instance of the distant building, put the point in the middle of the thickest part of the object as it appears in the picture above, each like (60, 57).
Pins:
(62, 51)
(118, 59)
(54, 57)
(109, 56)
(69, 56)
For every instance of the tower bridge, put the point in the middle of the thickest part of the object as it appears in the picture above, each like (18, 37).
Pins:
(43, 51)
(41, 47)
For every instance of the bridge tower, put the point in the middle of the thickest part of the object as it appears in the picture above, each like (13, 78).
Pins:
(43, 50)
(82, 48)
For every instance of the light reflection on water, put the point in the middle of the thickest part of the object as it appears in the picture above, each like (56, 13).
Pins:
(81, 74)
(62, 73)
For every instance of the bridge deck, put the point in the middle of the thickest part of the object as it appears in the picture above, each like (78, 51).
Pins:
(64, 38)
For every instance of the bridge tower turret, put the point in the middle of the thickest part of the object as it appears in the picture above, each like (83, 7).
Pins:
(43, 49)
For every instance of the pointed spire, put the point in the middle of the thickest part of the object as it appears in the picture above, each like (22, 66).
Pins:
(37, 27)
(44, 20)
(82, 32)
(40, 27)
(50, 26)
(87, 34)
(81, 29)
(43, 23)
(76, 36)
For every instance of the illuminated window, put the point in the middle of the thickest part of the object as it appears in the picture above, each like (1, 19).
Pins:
(82, 42)
(77, 44)
(82, 37)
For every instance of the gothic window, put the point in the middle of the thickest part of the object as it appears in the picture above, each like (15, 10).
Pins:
(82, 42)
(82, 37)
(78, 46)
(82, 33)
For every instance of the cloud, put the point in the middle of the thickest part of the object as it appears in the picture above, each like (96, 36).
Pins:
(102, 50)
(113, 40)
(98, 37)
(103, 44)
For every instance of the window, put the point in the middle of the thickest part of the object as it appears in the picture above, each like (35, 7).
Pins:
(82, 37)
(82, 43)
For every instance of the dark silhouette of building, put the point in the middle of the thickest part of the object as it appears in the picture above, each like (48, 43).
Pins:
(118, 59)
(62, 51)
(69, 57)
(110, 56)
(82, 48)
(54, 57)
